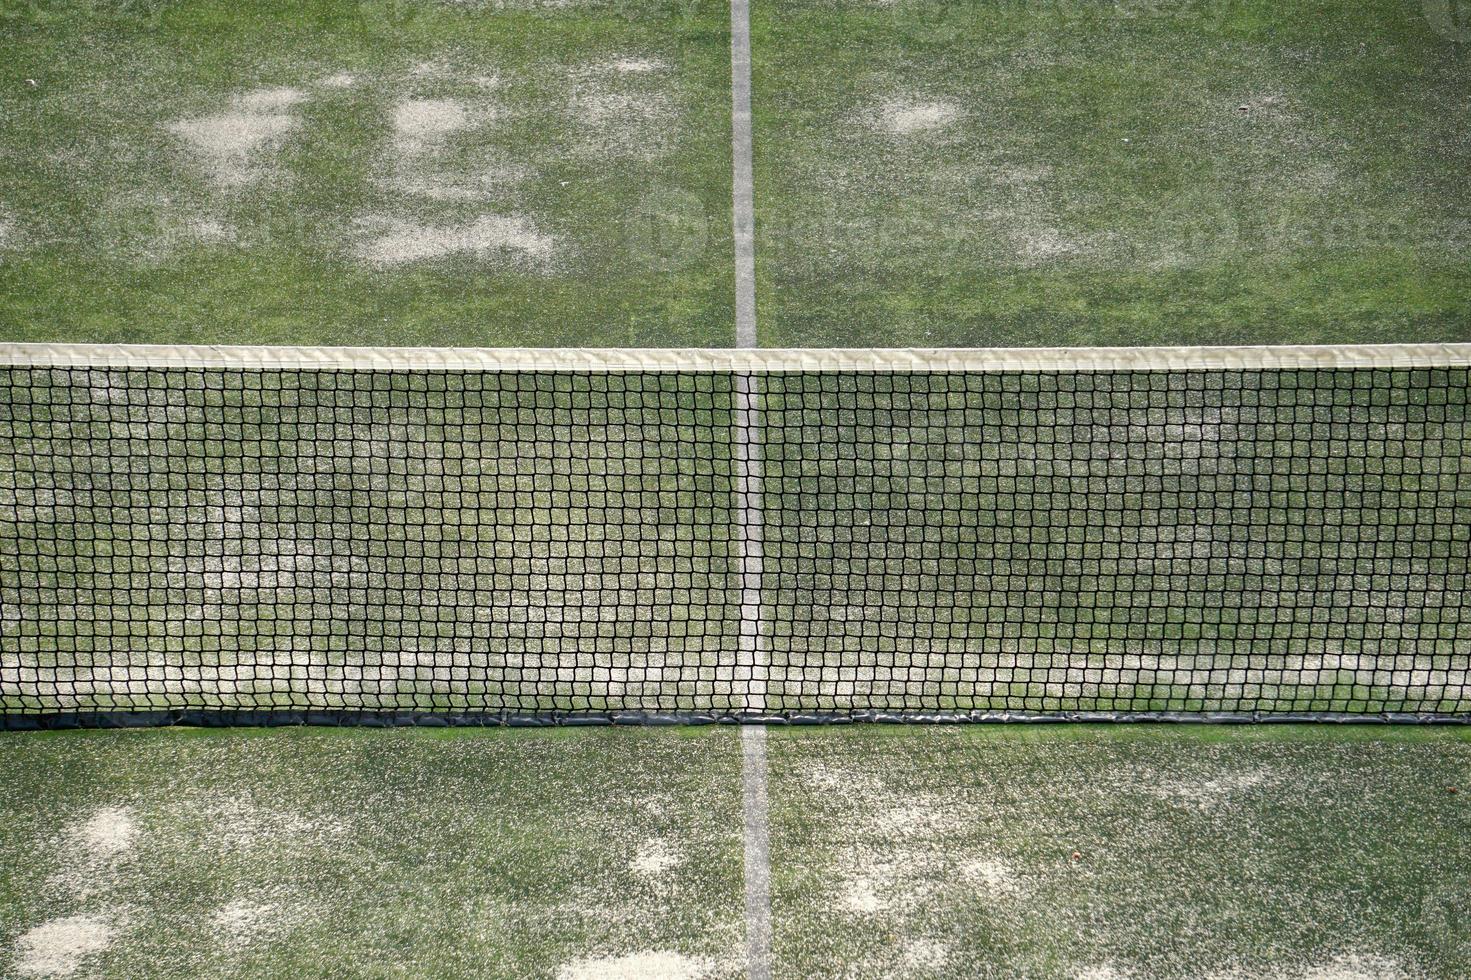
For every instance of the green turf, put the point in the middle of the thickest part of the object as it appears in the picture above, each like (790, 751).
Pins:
(115, 227)
(359, 853)
(1062, 172)
(1108, 853)
(932, 173)
(1283, 851)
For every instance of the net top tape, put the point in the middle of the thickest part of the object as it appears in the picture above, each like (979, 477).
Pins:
(752, 361)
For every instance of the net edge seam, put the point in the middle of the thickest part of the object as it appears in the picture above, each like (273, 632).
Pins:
(728, 360)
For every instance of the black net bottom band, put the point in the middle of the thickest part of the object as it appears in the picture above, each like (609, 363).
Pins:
(252, 545)
(358, 718)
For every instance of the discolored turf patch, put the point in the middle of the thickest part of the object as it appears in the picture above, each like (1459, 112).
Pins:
(371, 853)
(1096, 853)
(415, 172)
(1133, 852)
(1070, 173)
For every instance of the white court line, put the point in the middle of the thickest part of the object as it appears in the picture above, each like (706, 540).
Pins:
(743, 197)
(758, 853)
(747, 452)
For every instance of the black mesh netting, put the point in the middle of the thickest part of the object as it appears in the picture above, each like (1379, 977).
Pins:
(557, 544)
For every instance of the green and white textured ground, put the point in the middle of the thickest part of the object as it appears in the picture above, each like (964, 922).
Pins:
(927, 173)
(1095, 173)
(1071, 852)
(558, 173)
(356, 173)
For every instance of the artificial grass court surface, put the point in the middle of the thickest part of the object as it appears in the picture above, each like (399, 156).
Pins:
(339, 172)
(1078, 173)
(277, 853)
(1066, 851)
(519, 172)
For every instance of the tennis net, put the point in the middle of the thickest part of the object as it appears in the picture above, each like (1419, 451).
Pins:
(261, 534)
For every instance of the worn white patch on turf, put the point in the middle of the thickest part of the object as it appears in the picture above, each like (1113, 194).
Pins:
(512, 238)
(423, 129)
(925, 817)
(450, 186)
(1044, 243)
(108, 833)
(637, 65)
(242, 921)
(994, 878)
(231, 145)
(898, 885)
(903, 118)
(1022, 208)
(340, 80)
(1101, 972)
(654, 858)
(1352, 966)
(1275, 120)
(176, 229)
(210, 231)
(656, 965)
(924, 957)
(274, 99)
(1205, 794)
(419, 121)
(58, 948)
(92, 850)
(902, 859)
(861, 897)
